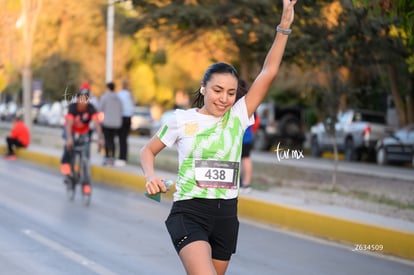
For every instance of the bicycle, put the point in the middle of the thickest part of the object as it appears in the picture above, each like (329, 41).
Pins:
(80, 169)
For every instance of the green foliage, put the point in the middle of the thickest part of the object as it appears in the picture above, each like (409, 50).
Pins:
(401, 15)
(3, 83)
(249, 24)
(159, 57)
(287, 98)
(310, 117)
(60, 78)
(14, 90)
(352, 48)
(345, 44)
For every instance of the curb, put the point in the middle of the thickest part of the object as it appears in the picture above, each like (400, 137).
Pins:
(364, 237)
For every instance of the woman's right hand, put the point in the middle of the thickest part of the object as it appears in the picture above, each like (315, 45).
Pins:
(155, 185)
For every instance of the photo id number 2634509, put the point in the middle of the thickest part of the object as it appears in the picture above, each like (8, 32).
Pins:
(368, 247)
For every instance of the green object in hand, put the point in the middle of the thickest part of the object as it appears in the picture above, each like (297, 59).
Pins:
(157, 197)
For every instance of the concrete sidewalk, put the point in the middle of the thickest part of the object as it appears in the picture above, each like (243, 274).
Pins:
(326, 221)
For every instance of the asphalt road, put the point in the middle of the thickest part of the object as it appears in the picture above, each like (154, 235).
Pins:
(122, 232)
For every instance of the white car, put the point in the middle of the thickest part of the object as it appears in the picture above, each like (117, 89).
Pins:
(141, 121)
(56, 115)
(9, 111)
(3, 109)
(42, 115)
(397, 148)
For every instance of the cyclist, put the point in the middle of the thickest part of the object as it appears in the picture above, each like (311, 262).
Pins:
(77, 120)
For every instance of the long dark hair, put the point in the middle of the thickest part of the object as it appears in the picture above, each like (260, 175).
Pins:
(242, 89)
(216, 68)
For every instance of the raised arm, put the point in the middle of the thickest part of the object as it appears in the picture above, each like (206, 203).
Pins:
(272, 62)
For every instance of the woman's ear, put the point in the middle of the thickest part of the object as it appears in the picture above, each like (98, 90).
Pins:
(202, 90)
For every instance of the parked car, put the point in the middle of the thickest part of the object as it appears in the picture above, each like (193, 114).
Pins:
(356, 132)
(279, 124)
(42, 115)
(35, 112)
(3, 111)
(8, 110)
(56, 114)
(397, 148)
(141, 121)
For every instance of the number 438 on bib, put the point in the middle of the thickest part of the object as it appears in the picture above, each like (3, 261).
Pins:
(216, 174)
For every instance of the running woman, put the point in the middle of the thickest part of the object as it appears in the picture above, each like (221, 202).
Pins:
(203, 222)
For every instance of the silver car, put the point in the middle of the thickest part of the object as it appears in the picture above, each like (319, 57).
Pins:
(397, 148)
(141, 121)
(356, 132)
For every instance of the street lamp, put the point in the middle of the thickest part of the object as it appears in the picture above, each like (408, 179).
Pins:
(30, 13)
(110, 40)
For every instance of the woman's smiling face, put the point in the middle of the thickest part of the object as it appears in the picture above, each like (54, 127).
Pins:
(219, 94)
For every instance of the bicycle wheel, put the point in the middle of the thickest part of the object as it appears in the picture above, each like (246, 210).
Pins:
(86, 182)
(86, 198)
(74, 178)
(70, 189)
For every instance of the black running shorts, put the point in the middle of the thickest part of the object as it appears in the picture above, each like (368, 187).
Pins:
(247, 147)
(212, 220)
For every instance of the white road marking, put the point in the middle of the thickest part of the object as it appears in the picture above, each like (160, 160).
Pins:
(66, 252)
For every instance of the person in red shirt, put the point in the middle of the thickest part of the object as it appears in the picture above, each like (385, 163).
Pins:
(77, 120)
(19, 137)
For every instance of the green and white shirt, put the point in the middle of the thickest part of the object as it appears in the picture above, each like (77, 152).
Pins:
(209, 151)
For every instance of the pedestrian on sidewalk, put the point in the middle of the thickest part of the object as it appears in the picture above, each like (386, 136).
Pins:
(128, 107)
(19, 137)
(246, 161)
(111, 107)
(203, 223)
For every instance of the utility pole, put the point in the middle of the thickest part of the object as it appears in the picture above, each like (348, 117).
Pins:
(28, 20)
(110, 40)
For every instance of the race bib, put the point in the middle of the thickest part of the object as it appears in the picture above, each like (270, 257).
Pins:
(216, 174)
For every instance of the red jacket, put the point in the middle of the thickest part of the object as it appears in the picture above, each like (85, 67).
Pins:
(256, 124)
(21, 133)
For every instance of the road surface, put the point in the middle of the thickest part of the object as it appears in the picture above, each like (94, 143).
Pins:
(122, 232)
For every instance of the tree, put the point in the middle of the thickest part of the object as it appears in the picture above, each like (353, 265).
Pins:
(358, 48)
(70, 47)
(249, 25)
(8, 16)
(30, 12)
(73, 49)
(399, 31)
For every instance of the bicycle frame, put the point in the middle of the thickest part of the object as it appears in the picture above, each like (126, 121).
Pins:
(80, 167)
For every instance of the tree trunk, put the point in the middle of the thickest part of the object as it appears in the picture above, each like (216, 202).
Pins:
(30, 11)
(27, 95)
(398, 100)
(410, 101)
(335, 171)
